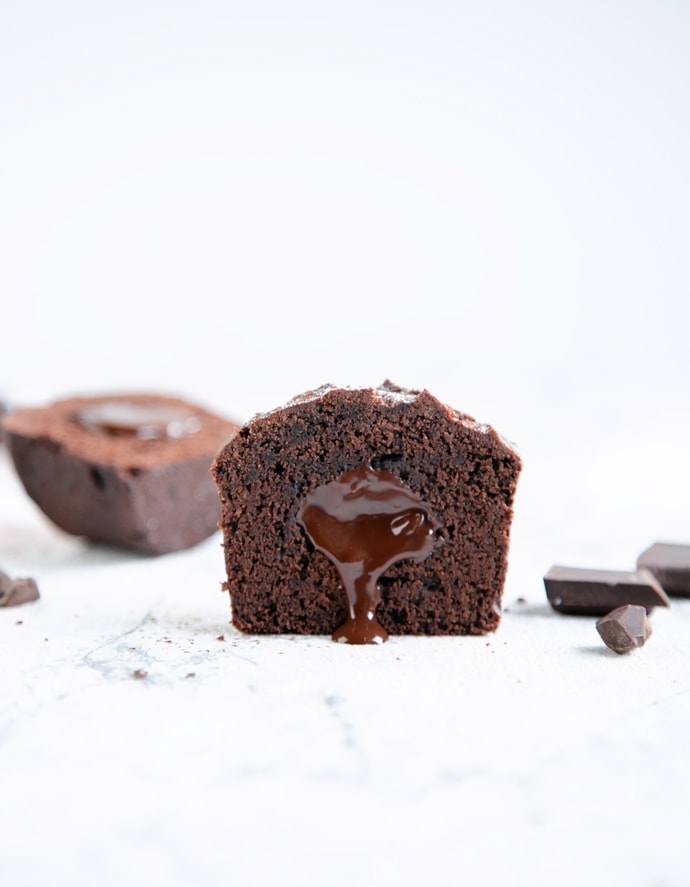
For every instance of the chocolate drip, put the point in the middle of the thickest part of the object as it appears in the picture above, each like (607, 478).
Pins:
(364, 522)
(122, 418)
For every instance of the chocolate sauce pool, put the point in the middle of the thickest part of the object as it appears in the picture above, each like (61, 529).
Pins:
(364, 522)
(123, 418)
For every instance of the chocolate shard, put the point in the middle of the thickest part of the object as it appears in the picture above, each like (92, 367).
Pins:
(5, 588)
(14, 592)
(670, 564)
(578, 591)
(624, 628)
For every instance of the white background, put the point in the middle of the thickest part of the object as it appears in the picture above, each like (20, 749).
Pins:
(242, 201)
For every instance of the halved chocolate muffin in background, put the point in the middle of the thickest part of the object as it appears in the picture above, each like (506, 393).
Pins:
(380, 507)
(130, 470)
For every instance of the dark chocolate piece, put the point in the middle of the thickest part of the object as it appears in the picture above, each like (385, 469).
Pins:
(364, 522)
(579, 591)
(5, 586)
(624, 628)
(464, 474)
(14, 592)
(127, 470)
(670, 563)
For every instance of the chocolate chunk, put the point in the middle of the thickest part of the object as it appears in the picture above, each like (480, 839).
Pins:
(624, 628)
(578, 591)
(670, 564)
(5, 586)
(364, 522)
(14, 592)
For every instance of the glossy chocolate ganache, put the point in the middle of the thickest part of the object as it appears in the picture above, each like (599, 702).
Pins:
(146, 421)
(364, 522)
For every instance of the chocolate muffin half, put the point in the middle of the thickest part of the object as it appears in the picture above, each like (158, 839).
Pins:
(130, 470)
(363, 512)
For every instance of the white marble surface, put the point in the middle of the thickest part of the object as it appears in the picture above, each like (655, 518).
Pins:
(534, 755)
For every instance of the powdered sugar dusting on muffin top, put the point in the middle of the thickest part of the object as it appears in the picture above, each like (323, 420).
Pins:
(392, 395)
(387, 393)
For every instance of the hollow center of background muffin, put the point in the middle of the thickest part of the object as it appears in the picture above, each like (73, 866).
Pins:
(122, 418)
(364, 522)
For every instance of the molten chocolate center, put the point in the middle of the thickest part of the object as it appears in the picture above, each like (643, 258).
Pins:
(124, 418)
(363, 522)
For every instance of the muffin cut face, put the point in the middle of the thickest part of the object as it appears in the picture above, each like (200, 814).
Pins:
(465, 475)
